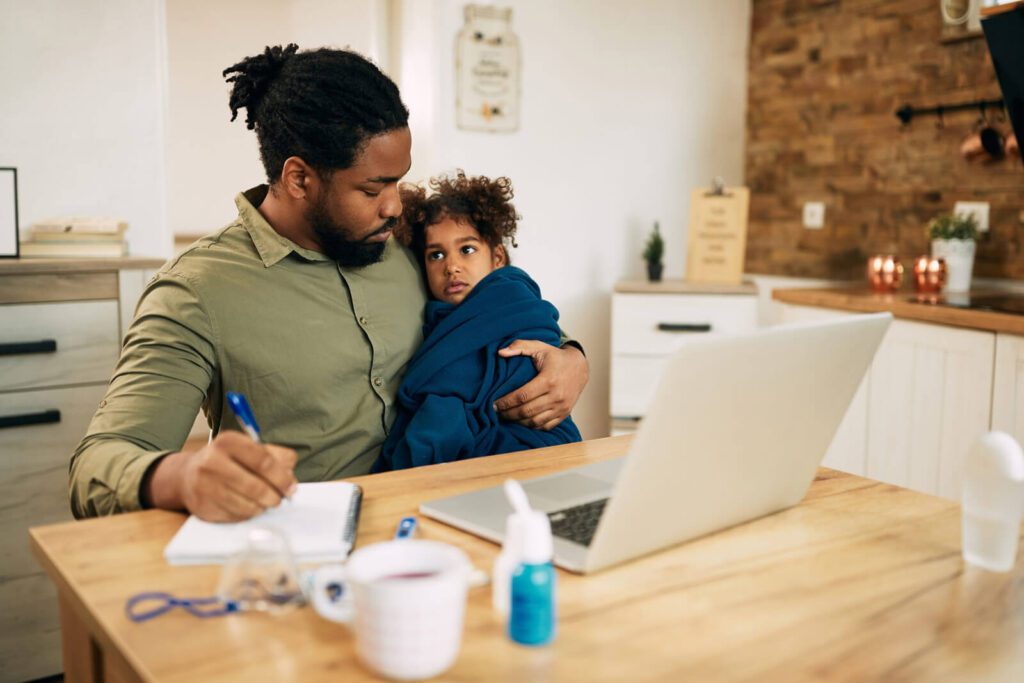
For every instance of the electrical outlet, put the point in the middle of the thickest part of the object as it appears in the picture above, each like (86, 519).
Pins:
(978, 209)
(814, 215)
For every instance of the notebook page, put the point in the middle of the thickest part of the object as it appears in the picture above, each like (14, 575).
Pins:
(315, 522)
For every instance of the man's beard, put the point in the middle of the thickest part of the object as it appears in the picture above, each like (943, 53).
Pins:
(337, 246)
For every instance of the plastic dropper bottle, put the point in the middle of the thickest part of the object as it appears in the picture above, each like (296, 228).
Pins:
(510, 557)
(532, 617)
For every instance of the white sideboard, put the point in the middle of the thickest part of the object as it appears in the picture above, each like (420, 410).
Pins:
(1008, 386)
(931, 391)
(651, 320)
(61, 324)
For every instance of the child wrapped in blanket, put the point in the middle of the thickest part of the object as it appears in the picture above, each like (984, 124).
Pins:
(480, 303)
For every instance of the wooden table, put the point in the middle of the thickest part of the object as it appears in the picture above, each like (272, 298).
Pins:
(860, 582)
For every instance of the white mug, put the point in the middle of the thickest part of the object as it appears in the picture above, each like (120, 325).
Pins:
(404, 599)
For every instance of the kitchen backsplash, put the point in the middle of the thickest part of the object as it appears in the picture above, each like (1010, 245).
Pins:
(825, 78)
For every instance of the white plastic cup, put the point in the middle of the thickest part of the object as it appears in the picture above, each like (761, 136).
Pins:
(408, 601)
(990, 542)
(993, 502)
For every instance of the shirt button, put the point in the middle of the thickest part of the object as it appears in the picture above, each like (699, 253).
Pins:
(362, 320)
(377, 381)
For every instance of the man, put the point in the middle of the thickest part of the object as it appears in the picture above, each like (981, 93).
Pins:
(303, 303)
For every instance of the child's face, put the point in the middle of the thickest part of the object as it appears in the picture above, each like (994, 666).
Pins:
(456, 258)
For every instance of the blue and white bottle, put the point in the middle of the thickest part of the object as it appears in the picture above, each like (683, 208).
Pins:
(532, 613)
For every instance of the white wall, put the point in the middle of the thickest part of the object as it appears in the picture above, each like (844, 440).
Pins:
(82, 112)
(626, 106)
(209, 158)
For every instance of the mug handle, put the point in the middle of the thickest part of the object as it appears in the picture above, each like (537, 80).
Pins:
(331, 594)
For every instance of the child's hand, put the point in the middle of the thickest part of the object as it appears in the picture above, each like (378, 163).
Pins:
(547, 399)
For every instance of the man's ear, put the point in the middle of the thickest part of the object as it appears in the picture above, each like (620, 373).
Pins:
(500, 256)
(297, 178)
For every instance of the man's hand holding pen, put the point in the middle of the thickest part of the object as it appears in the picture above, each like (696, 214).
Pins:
(232, 478)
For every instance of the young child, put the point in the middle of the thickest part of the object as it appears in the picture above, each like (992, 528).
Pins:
(480, 304)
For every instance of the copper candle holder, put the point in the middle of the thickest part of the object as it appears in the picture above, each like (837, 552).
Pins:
(929, 274)
(885, 273)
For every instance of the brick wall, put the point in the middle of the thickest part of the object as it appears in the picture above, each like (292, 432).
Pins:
(825, 78)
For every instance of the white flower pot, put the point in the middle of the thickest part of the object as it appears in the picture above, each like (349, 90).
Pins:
(959, 258)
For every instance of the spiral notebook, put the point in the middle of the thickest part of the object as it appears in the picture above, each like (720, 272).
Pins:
(319, 521)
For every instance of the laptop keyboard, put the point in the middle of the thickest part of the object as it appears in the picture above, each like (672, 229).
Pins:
(577, 524)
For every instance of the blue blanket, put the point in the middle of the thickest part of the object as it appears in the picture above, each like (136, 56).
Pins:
(445, 403)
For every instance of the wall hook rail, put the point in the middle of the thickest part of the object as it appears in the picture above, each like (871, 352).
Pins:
(906, 113)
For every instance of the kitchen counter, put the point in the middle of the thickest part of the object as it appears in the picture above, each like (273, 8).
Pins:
(905, 305)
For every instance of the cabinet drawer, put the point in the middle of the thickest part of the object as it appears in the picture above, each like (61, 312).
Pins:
(657, 324)
(57, 344)
(34, 463)
(29, 628)
(634, 379)
(34, 490)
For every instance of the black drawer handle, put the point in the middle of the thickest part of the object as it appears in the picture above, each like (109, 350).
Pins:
(42, 418)
(684, 327)
(20, 348)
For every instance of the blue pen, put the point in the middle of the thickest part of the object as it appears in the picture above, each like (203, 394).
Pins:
(247, 421)
(406, 528)
(244, 415)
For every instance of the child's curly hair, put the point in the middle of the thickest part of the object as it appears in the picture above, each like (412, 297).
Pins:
(483, 203)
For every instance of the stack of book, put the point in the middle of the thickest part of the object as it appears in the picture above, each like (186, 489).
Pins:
(76, 237)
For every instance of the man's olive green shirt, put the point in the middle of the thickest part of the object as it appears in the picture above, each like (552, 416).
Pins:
(319, 350)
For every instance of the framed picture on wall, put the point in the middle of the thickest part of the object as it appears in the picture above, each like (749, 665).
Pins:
(8, 212)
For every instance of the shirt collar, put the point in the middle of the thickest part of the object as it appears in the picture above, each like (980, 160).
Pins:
(272, 246)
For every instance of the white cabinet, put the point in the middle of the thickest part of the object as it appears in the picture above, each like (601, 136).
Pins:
(651, 320)
(60, 335)
(929, 400)
(1008, 388)
(926, 398)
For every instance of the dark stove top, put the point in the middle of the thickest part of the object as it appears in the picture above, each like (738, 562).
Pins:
(1012, 304)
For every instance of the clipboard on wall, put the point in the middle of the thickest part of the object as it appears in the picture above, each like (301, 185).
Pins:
(717, 237)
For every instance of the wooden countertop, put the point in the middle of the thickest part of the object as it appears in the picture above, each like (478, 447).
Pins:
(76, 265)
(859, 299)
(861, 581)
(999, 9)
(678, 286)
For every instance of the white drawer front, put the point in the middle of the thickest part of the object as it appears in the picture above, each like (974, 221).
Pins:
(87, 344)
(34, 460)
(29, 627)
(34, 490)
(634, 379)
(657, 324)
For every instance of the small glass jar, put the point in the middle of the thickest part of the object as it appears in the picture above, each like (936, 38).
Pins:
(885, 273)
(929, 274)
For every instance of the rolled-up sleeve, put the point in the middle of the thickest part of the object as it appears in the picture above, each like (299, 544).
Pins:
(167, 365)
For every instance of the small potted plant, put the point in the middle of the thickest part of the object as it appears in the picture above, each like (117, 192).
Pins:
(653, 251)
(953, 240)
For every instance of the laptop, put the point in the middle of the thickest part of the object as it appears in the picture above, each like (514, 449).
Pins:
(736, 431)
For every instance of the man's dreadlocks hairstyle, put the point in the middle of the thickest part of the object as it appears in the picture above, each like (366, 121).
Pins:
(319, 105)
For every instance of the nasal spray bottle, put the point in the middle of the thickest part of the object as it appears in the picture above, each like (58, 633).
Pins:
(508, 560)
(531, 619)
